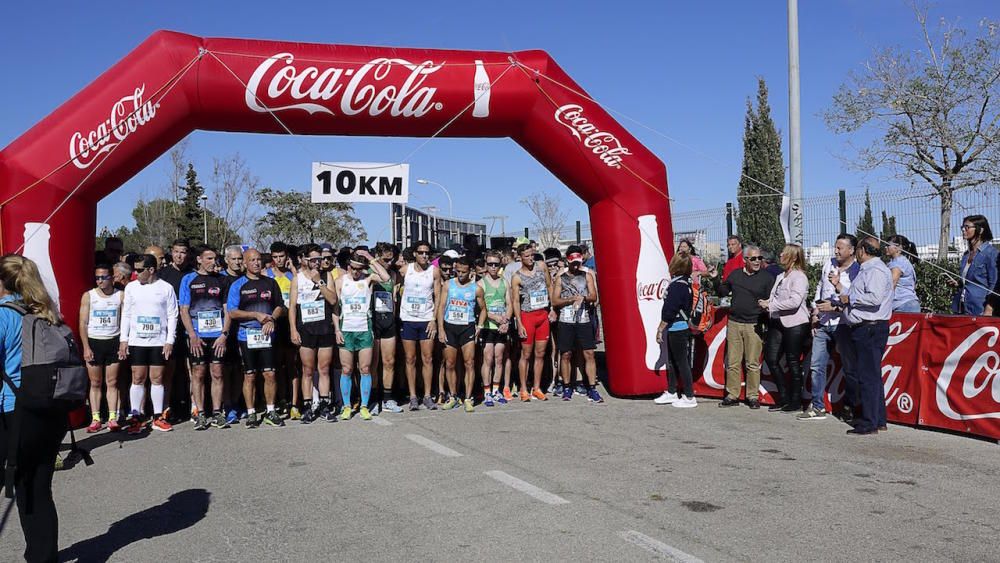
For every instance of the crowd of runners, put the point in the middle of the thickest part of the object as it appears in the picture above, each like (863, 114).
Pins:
(313, 333)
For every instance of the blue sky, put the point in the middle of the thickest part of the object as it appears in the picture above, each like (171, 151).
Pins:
(684, 69)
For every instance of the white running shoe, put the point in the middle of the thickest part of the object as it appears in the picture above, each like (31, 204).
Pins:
(685, 403)
(666, 398)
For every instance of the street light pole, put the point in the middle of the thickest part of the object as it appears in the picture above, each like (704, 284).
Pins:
(204, 215)
(451, 208)
(794, 134)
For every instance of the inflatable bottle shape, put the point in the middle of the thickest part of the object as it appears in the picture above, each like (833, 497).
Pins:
(481, 91)
(36, 247)
(652, 276)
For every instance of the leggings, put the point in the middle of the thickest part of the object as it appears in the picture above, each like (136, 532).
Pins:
(42, 432)
(787, 340)
(679, 343)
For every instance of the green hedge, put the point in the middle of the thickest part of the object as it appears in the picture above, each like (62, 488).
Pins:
(933, 292)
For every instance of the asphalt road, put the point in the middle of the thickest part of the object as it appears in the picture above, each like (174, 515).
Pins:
(626, 480)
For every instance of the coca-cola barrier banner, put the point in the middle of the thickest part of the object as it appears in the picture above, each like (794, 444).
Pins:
(53, 175)
(939, 371)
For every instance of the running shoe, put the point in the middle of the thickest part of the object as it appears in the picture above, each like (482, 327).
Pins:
(391, 406)
(273, 419)
(685, 403)
(365, 415)
(162, 425)
(135, 426)
(450, 404)
(567, 394)
(114, 425)
(253, 420)
(506, 395)
(440, 398)
(666, 398)
(308, 417)
(429, 403)
(501, 399)
(488, 399)
(200, 422)
(232, 417)
(593, 396)
(345, 413)
(537, 393)
(294, 414)
(376, 409)
(524, 396)
(328, 413)
(414, 403)
(469, 407)
(194, 412)
(580, 389)
(95, 426)
(812, 413)
(219, 421)
(557, 389)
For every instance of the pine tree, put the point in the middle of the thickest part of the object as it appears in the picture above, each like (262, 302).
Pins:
(866, 224)
(763, 177)
(190, 222)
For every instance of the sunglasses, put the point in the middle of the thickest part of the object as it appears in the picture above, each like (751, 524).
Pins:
(755, 259)
(101, 278)
(422, 253)
(493, 264)
(317, 259)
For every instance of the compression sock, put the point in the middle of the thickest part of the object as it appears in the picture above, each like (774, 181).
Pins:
(137, 396)
(366, 388)
(156, 392)
(345, 389)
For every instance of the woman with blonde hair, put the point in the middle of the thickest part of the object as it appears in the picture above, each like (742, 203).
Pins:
(41, 430)
(788, 328)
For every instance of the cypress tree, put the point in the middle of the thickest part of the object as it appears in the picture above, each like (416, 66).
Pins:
(763, 177)
(866, 223)
(190, 222)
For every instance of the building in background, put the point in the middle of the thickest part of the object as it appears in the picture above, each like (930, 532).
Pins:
(410, 225)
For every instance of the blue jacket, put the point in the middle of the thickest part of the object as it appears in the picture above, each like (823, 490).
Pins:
(678, 299)
(983, 275)
(10, 351)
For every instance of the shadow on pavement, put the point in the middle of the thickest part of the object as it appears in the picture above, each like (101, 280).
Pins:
(182, 510)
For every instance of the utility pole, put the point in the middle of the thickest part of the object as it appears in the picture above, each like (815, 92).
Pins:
(794, 130)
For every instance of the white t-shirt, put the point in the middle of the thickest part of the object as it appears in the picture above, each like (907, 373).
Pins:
(149, 314)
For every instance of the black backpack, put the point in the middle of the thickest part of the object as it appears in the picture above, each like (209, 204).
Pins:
(53, 377)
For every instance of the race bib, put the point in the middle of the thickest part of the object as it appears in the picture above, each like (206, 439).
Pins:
(209, 321)
(458, 312)
(256, 339)
(356, 306)
(286, 297)
(383, 302)
(148, 327)
(313, 311)
(568, 314)
(104, 318)
(538, 299)
(416, 305)
(497, 309)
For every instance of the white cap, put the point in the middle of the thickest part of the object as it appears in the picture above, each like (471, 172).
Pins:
(452, 254)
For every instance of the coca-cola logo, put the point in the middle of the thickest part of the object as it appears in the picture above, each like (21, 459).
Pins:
(373, 87)
(890, 372)
(127, 115)
(981, 373)
(648, 291)
(605, 145)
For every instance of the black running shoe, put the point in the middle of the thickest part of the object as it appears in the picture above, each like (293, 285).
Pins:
(253, 420)
(273, 419)
(308, 416)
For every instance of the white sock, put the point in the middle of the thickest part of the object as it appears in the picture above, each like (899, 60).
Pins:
(156, 392)
(270, 408)
(251, 411)
(137, 396)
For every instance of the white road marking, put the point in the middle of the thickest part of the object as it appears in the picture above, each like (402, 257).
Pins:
(479, 412)
(433, 446)
(381, 421)
(659, 548)
(527, 488)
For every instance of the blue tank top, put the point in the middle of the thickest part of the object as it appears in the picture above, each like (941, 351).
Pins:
(461, 303)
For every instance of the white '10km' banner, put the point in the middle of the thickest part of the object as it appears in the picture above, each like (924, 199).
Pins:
(360, 182)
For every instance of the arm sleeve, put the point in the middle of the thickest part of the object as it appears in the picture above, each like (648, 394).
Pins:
(126, 314)
(171, 317)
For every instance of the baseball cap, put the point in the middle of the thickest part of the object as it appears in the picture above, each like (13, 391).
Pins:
(452, 254)
(520, 241)
(326, 246)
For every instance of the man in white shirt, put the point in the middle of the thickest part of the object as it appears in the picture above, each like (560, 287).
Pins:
(149, 324)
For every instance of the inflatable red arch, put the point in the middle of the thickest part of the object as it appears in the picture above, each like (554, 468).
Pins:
(52, 177)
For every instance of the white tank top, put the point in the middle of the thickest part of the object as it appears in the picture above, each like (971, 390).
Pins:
(417, 304)
(355, 304)
(105, 315)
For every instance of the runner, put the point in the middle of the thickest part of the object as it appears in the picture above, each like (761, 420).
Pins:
(421, 282)
(354, 327)
(254, 301)
(530, 297)
(574, 289)
(311, 321)
(176, 368)
(457, 330)
(554, 263)
(493, 296)
(100, 326)
(385, 326)
(149, 323)
(202, 302)
(232, 367)
(282, 270)
(446, 264)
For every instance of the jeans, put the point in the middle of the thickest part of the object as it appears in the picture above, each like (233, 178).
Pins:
(869, 343)
(911, 306)
(679, 343)
(823, 341)
(743, 344)
(789, 342)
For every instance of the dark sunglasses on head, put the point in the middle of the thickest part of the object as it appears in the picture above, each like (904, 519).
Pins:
(755, 259)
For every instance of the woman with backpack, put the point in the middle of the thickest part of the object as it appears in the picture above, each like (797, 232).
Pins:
(674, 320)
(788, 327)
(36, 433)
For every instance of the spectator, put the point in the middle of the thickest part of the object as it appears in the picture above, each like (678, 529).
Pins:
(674, 319)
(771, 265)
(788, 327)
(588, 259)
(744, 330)
(113, 249)
(866, 308)
(902, 255)
(735, 262)
(698, 266)
(842, 269)
(978, 268)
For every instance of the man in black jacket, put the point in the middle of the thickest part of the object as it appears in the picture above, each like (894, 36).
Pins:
(744, 331)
